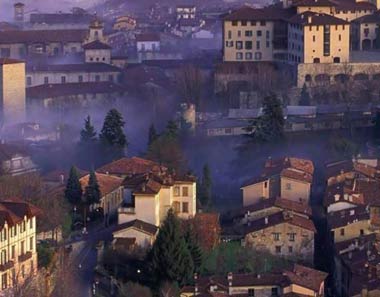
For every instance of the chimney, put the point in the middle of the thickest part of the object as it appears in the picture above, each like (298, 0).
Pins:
(229, 278)
(309, 19)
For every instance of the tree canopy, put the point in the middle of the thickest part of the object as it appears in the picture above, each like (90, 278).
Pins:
(73, 191)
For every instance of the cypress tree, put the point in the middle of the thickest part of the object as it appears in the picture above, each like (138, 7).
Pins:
(270, 126)
(171, 129)
(206, 185)
(92, 192)
(171, 259)
(88, 133)
(112, 133)
(305, 97)
(152, 134)
(194, 248)
(73, 191)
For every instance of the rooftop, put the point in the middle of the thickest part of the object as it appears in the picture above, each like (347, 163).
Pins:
(84, 67)
(316, 19)
(139, 225)
(34, 36)
(95, 45)
(107, 183)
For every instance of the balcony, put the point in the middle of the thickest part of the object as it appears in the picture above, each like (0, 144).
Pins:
(24, 257)
(127, 210)
(6, 266)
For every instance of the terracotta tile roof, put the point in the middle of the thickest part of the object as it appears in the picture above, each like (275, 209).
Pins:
(13, 211)
(306, 277)
(66, 89)
(139, 225)
(370, 190)
(341, 193)
(338, 167)
(352, 5)
(369, 18)
(5, 61)
(301, 206)
(56, 175)
(316, 19)
(295, 168)
(107, 183)
(131, 166)
(348, 216)
(84, 67)
(277, 219)
(32, 36)
(96, 45)
(314, 3)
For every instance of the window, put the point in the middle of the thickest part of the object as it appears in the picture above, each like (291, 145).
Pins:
(248, 45)
(80, 78)
(340, 37)
(97, 78)
(13, 251)
(239, 33)
(28, 81)
(366, 32)
(274, 291)
(267, 44)
(185, 191)
(278, 249)
(276, 236)
(248, 56)
(185, 207)
(23, 247)
(176, 191)
(251, 292)
(23, 270)
(234, 23)
(23, 227)
(31, 223)
(244, 23)
(258, 56)
(46, 80)
(313, 38)
(176, 206)
(258, 45)
(63, 79)
(288, 186)
(259, 33)
(110, 78)
(316, 60)
(262, 23)
(342, 232)
(239, 56)
(31, 243)
(292, 236)
(267, 33)
(229, 44)
(248, 33)
(239, 44)
(265, 185)
(361, 232)
(290, 249)
(5, 52)
(229, 34)
(4, 279)
(3, 257)
(253, 23)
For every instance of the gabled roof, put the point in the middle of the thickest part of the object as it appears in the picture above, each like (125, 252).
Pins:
(131, 166)
(339, 192)
(97, 44)
(13, 210)
(5, 61)
(306, 277)
(348, 216)
(316, 19)
(278, 219)
(247, 13)
(336, 168)
(139, 225)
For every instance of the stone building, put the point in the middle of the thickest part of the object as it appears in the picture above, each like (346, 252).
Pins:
(283, 234)
(12, 91)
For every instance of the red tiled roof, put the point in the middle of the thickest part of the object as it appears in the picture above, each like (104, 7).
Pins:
(247, 13)
(5, 61)
(306, 277)
(314, 3)
(348, 216)
(13, 211)
(316, 19)
(130, 166)
(96, 45)
(277, 219)
(107, 183)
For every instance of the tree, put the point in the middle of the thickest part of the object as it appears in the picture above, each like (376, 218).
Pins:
(205, 194)
(305, 97)
(189, 81)
(193, 247)
(88, 133)
(270, 126)
(170, 258)
(152, 134)
(112, 134)
(73, 191)
(92, 192)
(171, 129)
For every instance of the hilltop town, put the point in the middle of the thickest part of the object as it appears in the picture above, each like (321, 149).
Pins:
(190, 149)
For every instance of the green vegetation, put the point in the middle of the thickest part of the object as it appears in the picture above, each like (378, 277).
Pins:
(73, 191)
(205, 188)
(45, 254)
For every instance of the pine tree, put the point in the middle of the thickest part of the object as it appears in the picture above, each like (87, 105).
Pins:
(270, 126)
(194, 248)
(152, 134)
(92, 192)
(305, 97)
(170, 257)
(171, 129)
(88, 133)
(205, 187)
(73, 191)
(112, 133)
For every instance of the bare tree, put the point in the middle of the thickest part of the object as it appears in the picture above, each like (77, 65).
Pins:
(189, 80)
